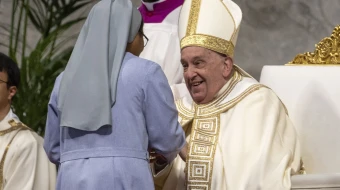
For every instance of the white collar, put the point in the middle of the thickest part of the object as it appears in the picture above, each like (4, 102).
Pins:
(149, 5)
(3, 124)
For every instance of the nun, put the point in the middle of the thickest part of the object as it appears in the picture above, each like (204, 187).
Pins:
(109, 107)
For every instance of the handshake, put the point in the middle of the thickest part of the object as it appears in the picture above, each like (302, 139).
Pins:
(161, 160)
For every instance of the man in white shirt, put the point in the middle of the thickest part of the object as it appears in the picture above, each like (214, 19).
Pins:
(23, 162)
(161, 27)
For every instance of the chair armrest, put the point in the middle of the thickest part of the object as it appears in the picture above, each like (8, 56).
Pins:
(316, 181)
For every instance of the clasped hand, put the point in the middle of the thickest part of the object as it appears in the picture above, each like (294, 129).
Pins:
(160, 159)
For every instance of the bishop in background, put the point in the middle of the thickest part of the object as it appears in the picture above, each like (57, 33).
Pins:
(161, 27)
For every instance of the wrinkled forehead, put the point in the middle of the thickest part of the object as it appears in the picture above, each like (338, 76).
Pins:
(190, 53)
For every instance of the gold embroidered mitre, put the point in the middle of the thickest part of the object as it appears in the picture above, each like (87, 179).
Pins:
(212, 24)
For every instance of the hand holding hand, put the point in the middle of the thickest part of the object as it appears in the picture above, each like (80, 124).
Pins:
(155, 157)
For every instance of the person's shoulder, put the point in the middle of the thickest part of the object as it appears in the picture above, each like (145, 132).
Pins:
(258, 91)
(59, 78)
(263, 95)
(140, 61)
(266, 93)
(142, 65)
(26, 138)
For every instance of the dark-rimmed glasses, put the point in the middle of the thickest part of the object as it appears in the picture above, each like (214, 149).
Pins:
(3, 81)
(145, 39)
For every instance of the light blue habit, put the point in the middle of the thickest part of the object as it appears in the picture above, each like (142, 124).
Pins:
(116, 157)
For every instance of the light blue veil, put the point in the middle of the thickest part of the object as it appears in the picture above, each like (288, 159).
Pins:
(88, 86)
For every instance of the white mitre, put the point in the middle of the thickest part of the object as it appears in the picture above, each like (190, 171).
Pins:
(212, 24)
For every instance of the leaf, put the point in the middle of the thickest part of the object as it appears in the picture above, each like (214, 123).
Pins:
(45, 3)
(39, 7)
(60, 44)
(3, 44)
(48, 57)
(36, 21)
(4, 34)
(3, 26)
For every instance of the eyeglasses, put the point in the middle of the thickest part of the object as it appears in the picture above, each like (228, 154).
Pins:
(145, 39)
(3, 81)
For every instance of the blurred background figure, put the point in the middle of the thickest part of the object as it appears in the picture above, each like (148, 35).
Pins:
(23, 162)
(161, 27)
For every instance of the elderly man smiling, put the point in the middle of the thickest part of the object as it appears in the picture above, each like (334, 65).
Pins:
(238, 131)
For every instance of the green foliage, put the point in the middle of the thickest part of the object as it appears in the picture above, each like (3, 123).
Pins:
(40, 67)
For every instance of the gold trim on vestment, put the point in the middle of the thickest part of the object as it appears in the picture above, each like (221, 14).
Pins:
(202, 147)
(14, 126)
(210, 42)
(205, 133)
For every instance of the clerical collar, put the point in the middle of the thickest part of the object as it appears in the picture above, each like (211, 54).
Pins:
(161, 10)
(5, 119)
(149, 5)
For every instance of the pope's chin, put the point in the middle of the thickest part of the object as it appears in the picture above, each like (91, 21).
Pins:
(197, 93)
(198, 97)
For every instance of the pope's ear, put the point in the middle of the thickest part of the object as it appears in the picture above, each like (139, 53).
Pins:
(228, 66)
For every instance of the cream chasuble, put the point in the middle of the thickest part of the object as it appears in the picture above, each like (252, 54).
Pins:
(23, 162)
(242, 140)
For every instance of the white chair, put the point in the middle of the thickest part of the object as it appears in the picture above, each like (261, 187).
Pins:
(309, 86)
